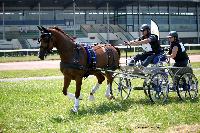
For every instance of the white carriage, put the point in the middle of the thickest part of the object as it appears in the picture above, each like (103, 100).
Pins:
(159, 80)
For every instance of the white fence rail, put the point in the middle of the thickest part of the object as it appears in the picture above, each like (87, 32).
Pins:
(187, 45)
(27, 51)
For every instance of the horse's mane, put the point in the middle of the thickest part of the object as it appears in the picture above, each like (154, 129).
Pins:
(60, 30)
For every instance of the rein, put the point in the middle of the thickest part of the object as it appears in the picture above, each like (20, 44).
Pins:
(85, 68)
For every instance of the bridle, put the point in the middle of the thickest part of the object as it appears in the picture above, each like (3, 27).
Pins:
(46, 37)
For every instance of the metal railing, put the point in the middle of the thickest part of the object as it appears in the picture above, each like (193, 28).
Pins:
(121, 47)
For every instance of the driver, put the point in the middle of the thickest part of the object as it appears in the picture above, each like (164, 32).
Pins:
(177, 50)
(150, 45)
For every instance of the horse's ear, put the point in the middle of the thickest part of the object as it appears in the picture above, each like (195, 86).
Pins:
(44, 29)
(40, 28)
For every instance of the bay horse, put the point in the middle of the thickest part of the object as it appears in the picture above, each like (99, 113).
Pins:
(79, 61)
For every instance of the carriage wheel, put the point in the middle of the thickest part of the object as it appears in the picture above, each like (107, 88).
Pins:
(116, 86)
(145, 87)
(187, 86)
(121, 86)
(158, 88)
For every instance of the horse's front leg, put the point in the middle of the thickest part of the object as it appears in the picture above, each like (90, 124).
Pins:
(66, 84)
(77, 94)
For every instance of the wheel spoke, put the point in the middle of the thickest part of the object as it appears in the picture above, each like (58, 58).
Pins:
(158, 88)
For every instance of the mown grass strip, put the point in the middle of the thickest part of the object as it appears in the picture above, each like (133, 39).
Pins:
(29, 73)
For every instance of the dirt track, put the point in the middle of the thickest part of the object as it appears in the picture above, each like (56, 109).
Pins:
(54, 64)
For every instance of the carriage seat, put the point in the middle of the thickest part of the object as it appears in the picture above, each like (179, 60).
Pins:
(159, 58)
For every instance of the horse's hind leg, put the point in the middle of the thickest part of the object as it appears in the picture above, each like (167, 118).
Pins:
(108, 92)
(100, 79)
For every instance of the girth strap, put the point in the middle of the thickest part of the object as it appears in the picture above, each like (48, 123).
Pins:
(73, 66)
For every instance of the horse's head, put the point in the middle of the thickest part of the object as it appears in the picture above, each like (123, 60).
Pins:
(46, 42)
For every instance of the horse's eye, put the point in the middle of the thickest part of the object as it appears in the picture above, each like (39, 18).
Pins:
(42, 36)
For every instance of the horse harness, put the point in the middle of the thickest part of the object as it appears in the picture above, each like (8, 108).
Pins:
(91, 59)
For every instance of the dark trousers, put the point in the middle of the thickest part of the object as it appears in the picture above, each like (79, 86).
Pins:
(145, 58)
(181, 63)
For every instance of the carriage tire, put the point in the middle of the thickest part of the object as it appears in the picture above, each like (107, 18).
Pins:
(187, 86)
(158, 88)
(145, 87)
(121, 86)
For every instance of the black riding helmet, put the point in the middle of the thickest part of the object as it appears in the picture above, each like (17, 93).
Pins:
(173, 34)
(145, 27)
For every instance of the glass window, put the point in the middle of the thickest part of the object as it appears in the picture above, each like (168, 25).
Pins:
(192, 10)
(145, 19)
(11, 15)
(135, 9)
(121, 19)
(162, 19)
(32, 15)
(129, 19)
(173, 10)
(47, 15)
(199, 8)
(129, 10)
(183, 19)
(66, 14)
(129, 28)
(144, 9)
(163, 8)
(182, 9)
(153, 8)
(135, 23)
(135, 19)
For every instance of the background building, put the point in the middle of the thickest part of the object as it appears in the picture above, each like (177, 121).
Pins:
(98, 20)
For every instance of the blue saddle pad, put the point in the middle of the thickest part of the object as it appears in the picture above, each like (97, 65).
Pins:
(91, 56)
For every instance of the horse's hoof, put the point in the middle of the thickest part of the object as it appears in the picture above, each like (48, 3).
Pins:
(64, 93)
(91, 98)
(109, 97)
(112, 97)
(80, 97)
(74, 110)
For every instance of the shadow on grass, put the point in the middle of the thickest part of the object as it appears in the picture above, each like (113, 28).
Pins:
(177, 100)
(107, 106)
(100, 109)
(114, 106)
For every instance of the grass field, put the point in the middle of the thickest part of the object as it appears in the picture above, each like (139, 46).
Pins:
(27, 58)
(39, 106)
